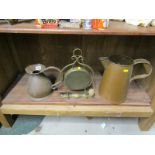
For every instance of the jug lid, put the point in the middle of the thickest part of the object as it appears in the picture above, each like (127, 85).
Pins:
(121, 60)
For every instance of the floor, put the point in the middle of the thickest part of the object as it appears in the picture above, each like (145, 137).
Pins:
(40, 125)
(86, 126)
(23, 125)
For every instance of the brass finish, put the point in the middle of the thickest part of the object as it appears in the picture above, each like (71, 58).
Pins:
(118, 75)
(77, 75)
(77, 78)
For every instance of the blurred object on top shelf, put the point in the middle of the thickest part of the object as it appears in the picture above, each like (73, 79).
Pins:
(153, 22)
(67, 20)
(100, 23)
(139, 22)
(75, 20)
(14, 21)
(3, 21)
(87, 24)
(82, 23)
(66, 24)
(73, 23)
(119, 20)
(47, 23)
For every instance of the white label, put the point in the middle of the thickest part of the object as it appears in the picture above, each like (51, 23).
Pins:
(38, 68)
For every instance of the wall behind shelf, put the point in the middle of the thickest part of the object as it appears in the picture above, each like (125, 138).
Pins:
(8, 68)
(57, 49)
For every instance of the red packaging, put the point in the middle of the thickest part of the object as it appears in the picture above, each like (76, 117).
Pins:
(47, 23)
(96, 23)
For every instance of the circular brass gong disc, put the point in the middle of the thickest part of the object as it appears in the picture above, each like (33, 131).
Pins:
(77, 78)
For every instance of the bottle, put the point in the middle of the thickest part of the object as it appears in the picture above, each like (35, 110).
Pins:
(88, 24)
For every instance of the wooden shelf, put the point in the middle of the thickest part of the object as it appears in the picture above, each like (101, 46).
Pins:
(19, 102)
(115, 28)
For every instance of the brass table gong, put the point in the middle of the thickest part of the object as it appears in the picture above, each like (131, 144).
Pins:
(77, 76)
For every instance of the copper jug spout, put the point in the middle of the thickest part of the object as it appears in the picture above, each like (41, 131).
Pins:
(104, 61)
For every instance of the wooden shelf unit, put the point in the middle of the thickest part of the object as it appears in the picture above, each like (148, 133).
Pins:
(19, 102)
(115, 28)
(19, 41)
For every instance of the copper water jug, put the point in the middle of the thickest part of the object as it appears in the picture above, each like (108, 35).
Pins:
(118, 75)
(40, 84)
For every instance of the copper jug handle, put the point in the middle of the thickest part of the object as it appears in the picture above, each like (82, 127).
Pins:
(147, 66)
(59, 79)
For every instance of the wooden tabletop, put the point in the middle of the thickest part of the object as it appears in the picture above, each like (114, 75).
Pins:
(18, 95)
(115, 28)
(19, 102)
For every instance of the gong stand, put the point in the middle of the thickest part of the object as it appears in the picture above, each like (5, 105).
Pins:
(77, 73)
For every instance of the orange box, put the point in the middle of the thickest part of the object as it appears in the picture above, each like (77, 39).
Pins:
(99, 23)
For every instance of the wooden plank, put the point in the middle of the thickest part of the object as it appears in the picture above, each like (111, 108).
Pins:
(116, 28)
(5, 121)
(18, 95)
(79, 110)
(146, 123)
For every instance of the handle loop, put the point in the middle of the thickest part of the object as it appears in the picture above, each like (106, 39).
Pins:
(59, 78)
(75, 53)
(147, 66)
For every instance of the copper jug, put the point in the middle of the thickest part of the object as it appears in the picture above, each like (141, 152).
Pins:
(118, 75)
(40, 84)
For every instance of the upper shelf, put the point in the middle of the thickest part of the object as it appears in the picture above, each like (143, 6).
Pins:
(115, 28)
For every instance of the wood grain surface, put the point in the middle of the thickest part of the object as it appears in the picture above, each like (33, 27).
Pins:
(19, 102)
(146, 123)
(18, 95)
(5, 120)
(79, 110)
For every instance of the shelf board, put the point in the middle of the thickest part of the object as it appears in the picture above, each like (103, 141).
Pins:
(115, 28)
(78, 110)
(19, 102)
